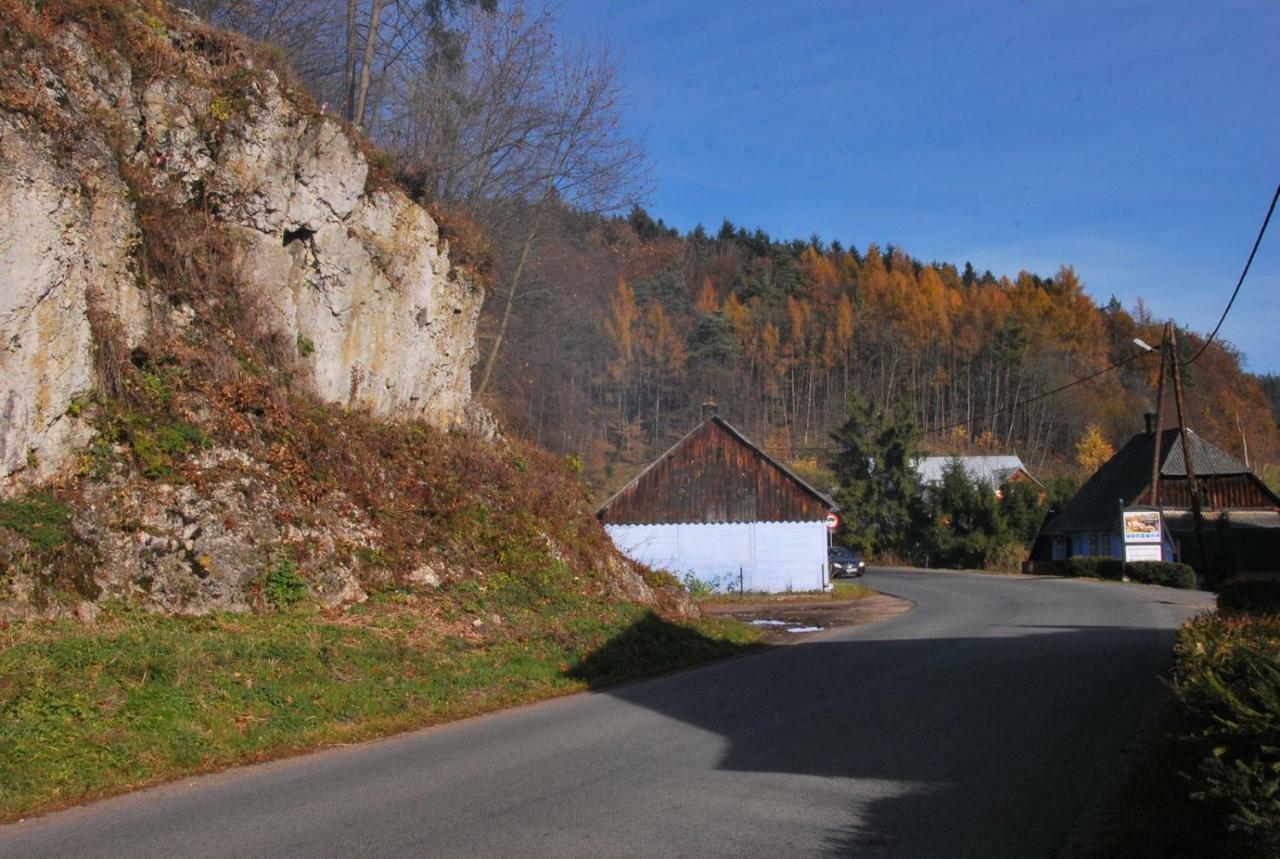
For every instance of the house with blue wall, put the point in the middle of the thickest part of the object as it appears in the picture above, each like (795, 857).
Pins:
(1240, 513)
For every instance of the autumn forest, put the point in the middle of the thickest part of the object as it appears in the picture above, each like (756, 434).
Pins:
(629, 327)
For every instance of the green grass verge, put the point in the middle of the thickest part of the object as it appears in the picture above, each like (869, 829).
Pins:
(841, 589)
(139, 698)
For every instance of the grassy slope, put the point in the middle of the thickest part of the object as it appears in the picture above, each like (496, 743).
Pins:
(529, 603)
(140, 698)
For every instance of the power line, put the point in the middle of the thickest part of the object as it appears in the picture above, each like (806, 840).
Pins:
(1240, 282)
(1049, 393)
(1017, 405)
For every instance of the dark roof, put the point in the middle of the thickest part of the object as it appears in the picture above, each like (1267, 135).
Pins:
(1127, 475)
(715, 474)
(1208, 458)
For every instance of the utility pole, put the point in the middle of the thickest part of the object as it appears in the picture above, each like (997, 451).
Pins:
(1124, 557)
(1187, 458)
(1155, 456)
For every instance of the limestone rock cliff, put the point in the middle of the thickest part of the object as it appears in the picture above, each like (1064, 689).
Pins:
(230, 350)
(357, 276)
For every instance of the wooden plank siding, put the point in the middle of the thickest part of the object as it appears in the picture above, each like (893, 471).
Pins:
(714, 475)
(1217, 491)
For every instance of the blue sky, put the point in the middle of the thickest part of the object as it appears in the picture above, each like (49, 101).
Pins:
(1137, 141)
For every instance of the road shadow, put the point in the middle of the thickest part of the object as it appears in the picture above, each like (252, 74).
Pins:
(984, 746)
(650, 645)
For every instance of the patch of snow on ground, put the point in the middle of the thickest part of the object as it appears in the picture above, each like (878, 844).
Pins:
(804, 629)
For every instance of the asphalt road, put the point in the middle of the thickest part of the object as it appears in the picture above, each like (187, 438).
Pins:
(978, 724)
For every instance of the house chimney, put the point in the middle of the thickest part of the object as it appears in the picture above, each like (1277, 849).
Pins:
(710, 409)
(1150, 418)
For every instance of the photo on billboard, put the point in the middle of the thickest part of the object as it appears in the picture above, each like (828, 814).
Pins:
(1141, 526)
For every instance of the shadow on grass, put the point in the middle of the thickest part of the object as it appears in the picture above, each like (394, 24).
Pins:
(649, 646)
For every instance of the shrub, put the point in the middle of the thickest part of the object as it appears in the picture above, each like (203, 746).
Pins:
(469, 246)
(1081, 568)
(157, 447)
(1007, 558)
(42, 519)
(1163, 573)
(1227, 684)
(697, 587)
(1249, 597)
(659, 579)
(220, 108)
(78, 404)
(1144, 572)
(283, 586)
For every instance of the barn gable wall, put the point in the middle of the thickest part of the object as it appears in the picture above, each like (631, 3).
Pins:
(713, 476)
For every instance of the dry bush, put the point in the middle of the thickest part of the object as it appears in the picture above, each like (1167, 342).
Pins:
(469, 245)
(110, 356)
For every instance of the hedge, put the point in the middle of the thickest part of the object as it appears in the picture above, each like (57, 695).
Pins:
(1092, 568)
(1144, 572)
(1249, 596)
(1227, 684)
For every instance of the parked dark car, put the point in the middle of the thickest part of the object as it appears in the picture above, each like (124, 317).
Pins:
(845, 562)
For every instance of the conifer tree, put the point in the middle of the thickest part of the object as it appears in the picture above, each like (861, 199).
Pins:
(875, 472)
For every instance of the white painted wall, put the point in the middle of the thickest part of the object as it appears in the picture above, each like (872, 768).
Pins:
(773, 556)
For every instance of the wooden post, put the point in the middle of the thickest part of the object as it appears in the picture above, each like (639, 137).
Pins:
(1154, 501)
(1187, 458)
(1124, 557)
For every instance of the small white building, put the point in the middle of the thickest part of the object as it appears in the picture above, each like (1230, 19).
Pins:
(718, 507)
(991, 472)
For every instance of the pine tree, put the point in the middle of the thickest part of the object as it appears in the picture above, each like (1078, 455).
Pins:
(878, 484)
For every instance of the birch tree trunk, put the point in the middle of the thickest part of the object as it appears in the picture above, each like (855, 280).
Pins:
(492, 359)
(366, 63)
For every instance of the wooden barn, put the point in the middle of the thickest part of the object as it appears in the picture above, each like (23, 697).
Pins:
(719, 508)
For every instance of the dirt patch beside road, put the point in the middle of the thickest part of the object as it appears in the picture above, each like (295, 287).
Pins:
(779, 617)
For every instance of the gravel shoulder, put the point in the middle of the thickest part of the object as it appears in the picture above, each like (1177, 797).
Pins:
(778, 618)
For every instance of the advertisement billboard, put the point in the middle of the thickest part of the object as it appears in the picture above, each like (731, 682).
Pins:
(1141, 526)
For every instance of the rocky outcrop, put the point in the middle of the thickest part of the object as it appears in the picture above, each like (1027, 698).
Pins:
(66, 239)
(357, 277)
(179, 549)
(190, 252)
